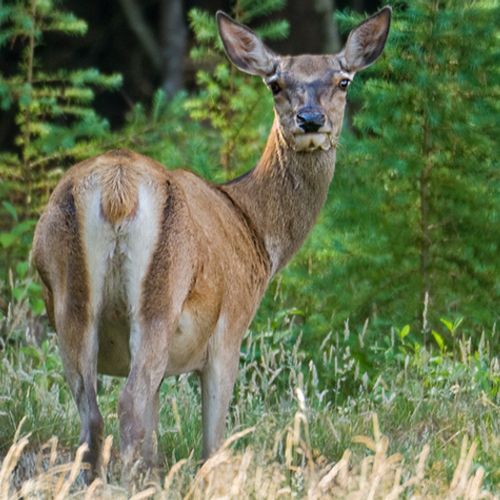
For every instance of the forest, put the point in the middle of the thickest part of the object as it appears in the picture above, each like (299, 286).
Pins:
(370, 369)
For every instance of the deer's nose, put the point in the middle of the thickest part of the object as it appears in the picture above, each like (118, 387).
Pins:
(310, 121)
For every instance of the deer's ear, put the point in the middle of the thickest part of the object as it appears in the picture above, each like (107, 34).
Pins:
(244, 48)
(367, 41)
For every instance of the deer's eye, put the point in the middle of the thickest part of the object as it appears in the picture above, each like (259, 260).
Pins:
(275, 88)
(344, 83)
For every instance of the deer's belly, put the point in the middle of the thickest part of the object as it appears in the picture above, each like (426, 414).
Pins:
(187, 350)
(189, 344)
(114, 344)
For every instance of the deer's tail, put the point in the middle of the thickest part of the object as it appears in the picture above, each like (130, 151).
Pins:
(119, 184)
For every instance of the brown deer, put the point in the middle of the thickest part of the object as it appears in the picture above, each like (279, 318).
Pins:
(150, 273)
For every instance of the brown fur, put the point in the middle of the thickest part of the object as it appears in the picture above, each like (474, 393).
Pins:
(149, 273)
(119, 189)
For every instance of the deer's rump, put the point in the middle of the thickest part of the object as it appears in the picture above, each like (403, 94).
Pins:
(136, 242)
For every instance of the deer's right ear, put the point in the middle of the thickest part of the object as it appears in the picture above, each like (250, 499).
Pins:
(244, 48)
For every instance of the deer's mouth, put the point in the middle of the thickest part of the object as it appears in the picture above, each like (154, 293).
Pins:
(312, 141)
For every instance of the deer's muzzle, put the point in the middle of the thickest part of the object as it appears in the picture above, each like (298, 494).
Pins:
(312, 141)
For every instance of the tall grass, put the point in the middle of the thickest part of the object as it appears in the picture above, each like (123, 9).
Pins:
(421, 424)
(259, 473)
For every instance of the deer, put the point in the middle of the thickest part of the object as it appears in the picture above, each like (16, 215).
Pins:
(149, 273)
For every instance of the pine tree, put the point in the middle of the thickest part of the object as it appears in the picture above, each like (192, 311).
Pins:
(54, 119)
(55, 126)
(414, 209)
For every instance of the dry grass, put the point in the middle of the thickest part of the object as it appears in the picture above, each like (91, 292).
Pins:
(258, 474)
(291, 447)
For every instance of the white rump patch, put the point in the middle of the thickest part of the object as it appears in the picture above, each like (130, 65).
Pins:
(138, 247)
(118, 257)
(99, 241)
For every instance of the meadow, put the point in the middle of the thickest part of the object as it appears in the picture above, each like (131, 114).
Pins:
(427, 427)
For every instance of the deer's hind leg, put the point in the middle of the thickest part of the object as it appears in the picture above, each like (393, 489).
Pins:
(78, 348)
(74, 277)
(139, 402)
(159, 280)
(76, 328)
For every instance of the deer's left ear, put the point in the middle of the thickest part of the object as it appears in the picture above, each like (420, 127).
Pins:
(367, 41)
(244, 48)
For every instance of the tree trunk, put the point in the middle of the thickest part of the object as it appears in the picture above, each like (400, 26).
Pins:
(329, 28)
(143, 32)
(173, 36)
(167, 54)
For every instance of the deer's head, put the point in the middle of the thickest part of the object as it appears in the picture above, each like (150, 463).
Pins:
(309, 90)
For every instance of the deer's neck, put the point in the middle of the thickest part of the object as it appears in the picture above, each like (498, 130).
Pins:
(283, 195)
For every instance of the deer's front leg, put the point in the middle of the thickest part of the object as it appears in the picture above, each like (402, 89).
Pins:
(217, 382)
(149, 448)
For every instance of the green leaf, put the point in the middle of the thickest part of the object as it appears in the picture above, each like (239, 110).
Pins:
(448, 325)
(439, 340)
(22, 268)
(34, 288)
(7, 239)
(23, 227)
(10, 209)
(31, 352)
(404, 332)
(37, 306)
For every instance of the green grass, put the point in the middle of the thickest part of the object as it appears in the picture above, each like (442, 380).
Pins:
(307, 415)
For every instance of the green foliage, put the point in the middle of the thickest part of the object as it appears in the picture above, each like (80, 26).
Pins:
(413, 216)
(165, 132)
(55, 125)
(17, 285)
(54, 120)
(33, 386)
(421, 396)
(16, 242)
(237, 105)
(425, 164)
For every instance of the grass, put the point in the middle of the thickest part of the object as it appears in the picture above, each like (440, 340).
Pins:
(260, 473)
(417, 423)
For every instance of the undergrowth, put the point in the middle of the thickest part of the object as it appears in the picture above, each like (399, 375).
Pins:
(422, 423)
